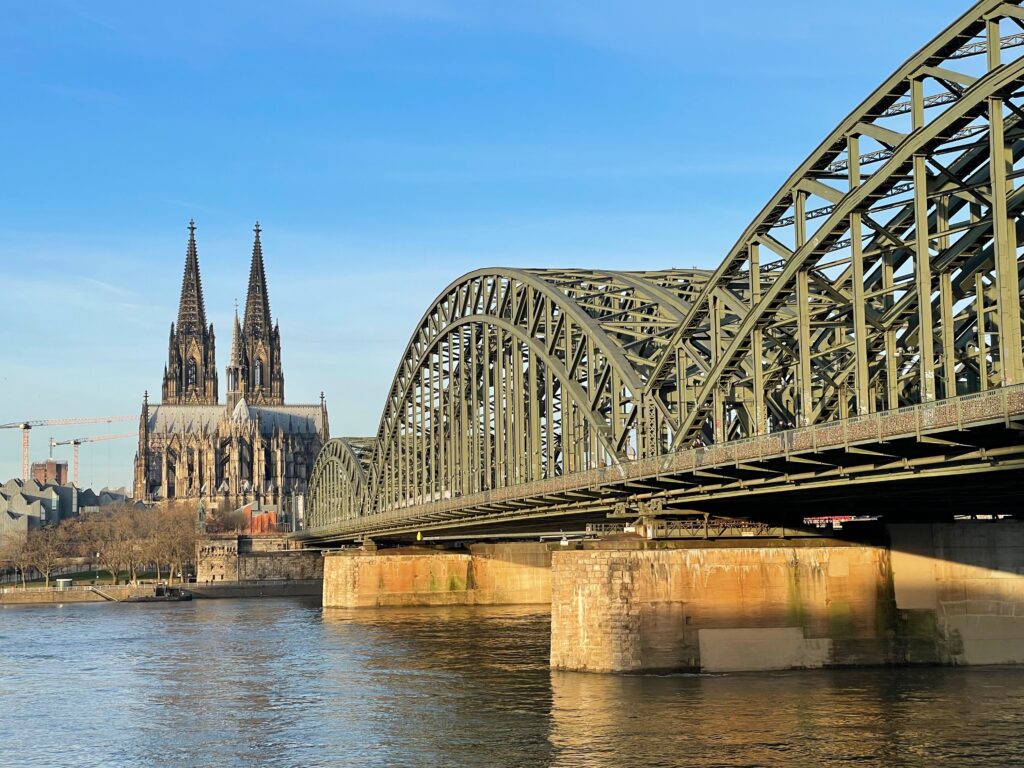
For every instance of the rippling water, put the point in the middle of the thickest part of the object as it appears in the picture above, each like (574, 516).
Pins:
(282, 683)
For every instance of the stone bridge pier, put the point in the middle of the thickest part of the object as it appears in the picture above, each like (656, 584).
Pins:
(517, 573)
(949, 594)
(940, 594)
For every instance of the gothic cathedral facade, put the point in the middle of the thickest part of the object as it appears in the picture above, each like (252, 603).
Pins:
(253, 447)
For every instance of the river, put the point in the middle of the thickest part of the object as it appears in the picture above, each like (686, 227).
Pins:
(282, 683)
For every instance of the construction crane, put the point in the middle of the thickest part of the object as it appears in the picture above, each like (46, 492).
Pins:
(26, 427)
(77, 441)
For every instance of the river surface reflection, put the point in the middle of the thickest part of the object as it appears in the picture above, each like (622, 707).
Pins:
(282, 683)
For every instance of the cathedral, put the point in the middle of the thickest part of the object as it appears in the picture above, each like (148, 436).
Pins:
(253, 447)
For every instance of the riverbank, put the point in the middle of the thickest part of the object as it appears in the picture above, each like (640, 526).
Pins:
(108, 593)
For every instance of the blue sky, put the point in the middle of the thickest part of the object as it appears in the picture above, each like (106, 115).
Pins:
(386, 148)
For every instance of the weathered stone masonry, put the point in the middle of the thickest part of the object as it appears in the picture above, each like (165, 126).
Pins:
(944, 594)
(493, 574)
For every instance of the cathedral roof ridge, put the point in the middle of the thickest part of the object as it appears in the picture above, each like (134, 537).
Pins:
(187, 406)
(292, 419)
(285, 409)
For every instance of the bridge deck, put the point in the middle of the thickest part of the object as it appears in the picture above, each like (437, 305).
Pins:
(976, 433)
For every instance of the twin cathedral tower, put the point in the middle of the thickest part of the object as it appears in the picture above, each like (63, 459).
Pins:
(254, 367)
(253, 447)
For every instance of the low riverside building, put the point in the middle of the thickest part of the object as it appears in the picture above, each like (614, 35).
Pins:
(28, 504)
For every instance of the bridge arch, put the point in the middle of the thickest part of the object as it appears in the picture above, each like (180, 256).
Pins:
(337, 484)
(513, 375)
(915, 156)
(518, 375)
(885, 272)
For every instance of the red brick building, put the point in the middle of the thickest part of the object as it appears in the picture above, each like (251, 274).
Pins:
(50, 471)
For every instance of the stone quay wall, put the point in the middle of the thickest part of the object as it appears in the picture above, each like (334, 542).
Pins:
(942, 594)
(35, 595)
(487, 574)
(291, 565)
(246, 589)
(232, 557)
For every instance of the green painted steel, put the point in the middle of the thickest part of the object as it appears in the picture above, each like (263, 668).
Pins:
(884, 274)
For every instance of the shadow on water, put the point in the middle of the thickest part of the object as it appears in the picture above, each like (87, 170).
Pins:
(823, 717)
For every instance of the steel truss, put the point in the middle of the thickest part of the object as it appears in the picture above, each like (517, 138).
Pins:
(884, 273)
(522, 375)
(927, 239)
(337, 483)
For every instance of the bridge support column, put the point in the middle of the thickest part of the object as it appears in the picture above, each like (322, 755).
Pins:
(485, 574)
(944, 594)
(773, 606)
(959, 592)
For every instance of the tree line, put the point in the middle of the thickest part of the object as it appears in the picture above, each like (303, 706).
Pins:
(118, 538)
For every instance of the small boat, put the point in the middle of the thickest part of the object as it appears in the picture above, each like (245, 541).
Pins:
(161, 594)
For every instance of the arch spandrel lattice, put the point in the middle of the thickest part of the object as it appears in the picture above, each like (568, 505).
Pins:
(885, 272)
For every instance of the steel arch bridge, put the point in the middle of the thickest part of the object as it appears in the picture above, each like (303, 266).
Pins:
(883, 278)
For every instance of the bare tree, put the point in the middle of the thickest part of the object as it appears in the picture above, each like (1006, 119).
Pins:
(132, 529)
(160, 541)
(180, 520)
(106, 538)
(13, 549)
(124, 537)
(46, 548)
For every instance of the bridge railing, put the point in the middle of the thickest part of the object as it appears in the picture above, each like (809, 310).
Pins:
(908, 421)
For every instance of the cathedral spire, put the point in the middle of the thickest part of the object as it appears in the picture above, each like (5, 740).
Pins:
(257, 302)
(261, 340)
(236, 363)
(237, 353)
(190, 376)
(191, 309)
